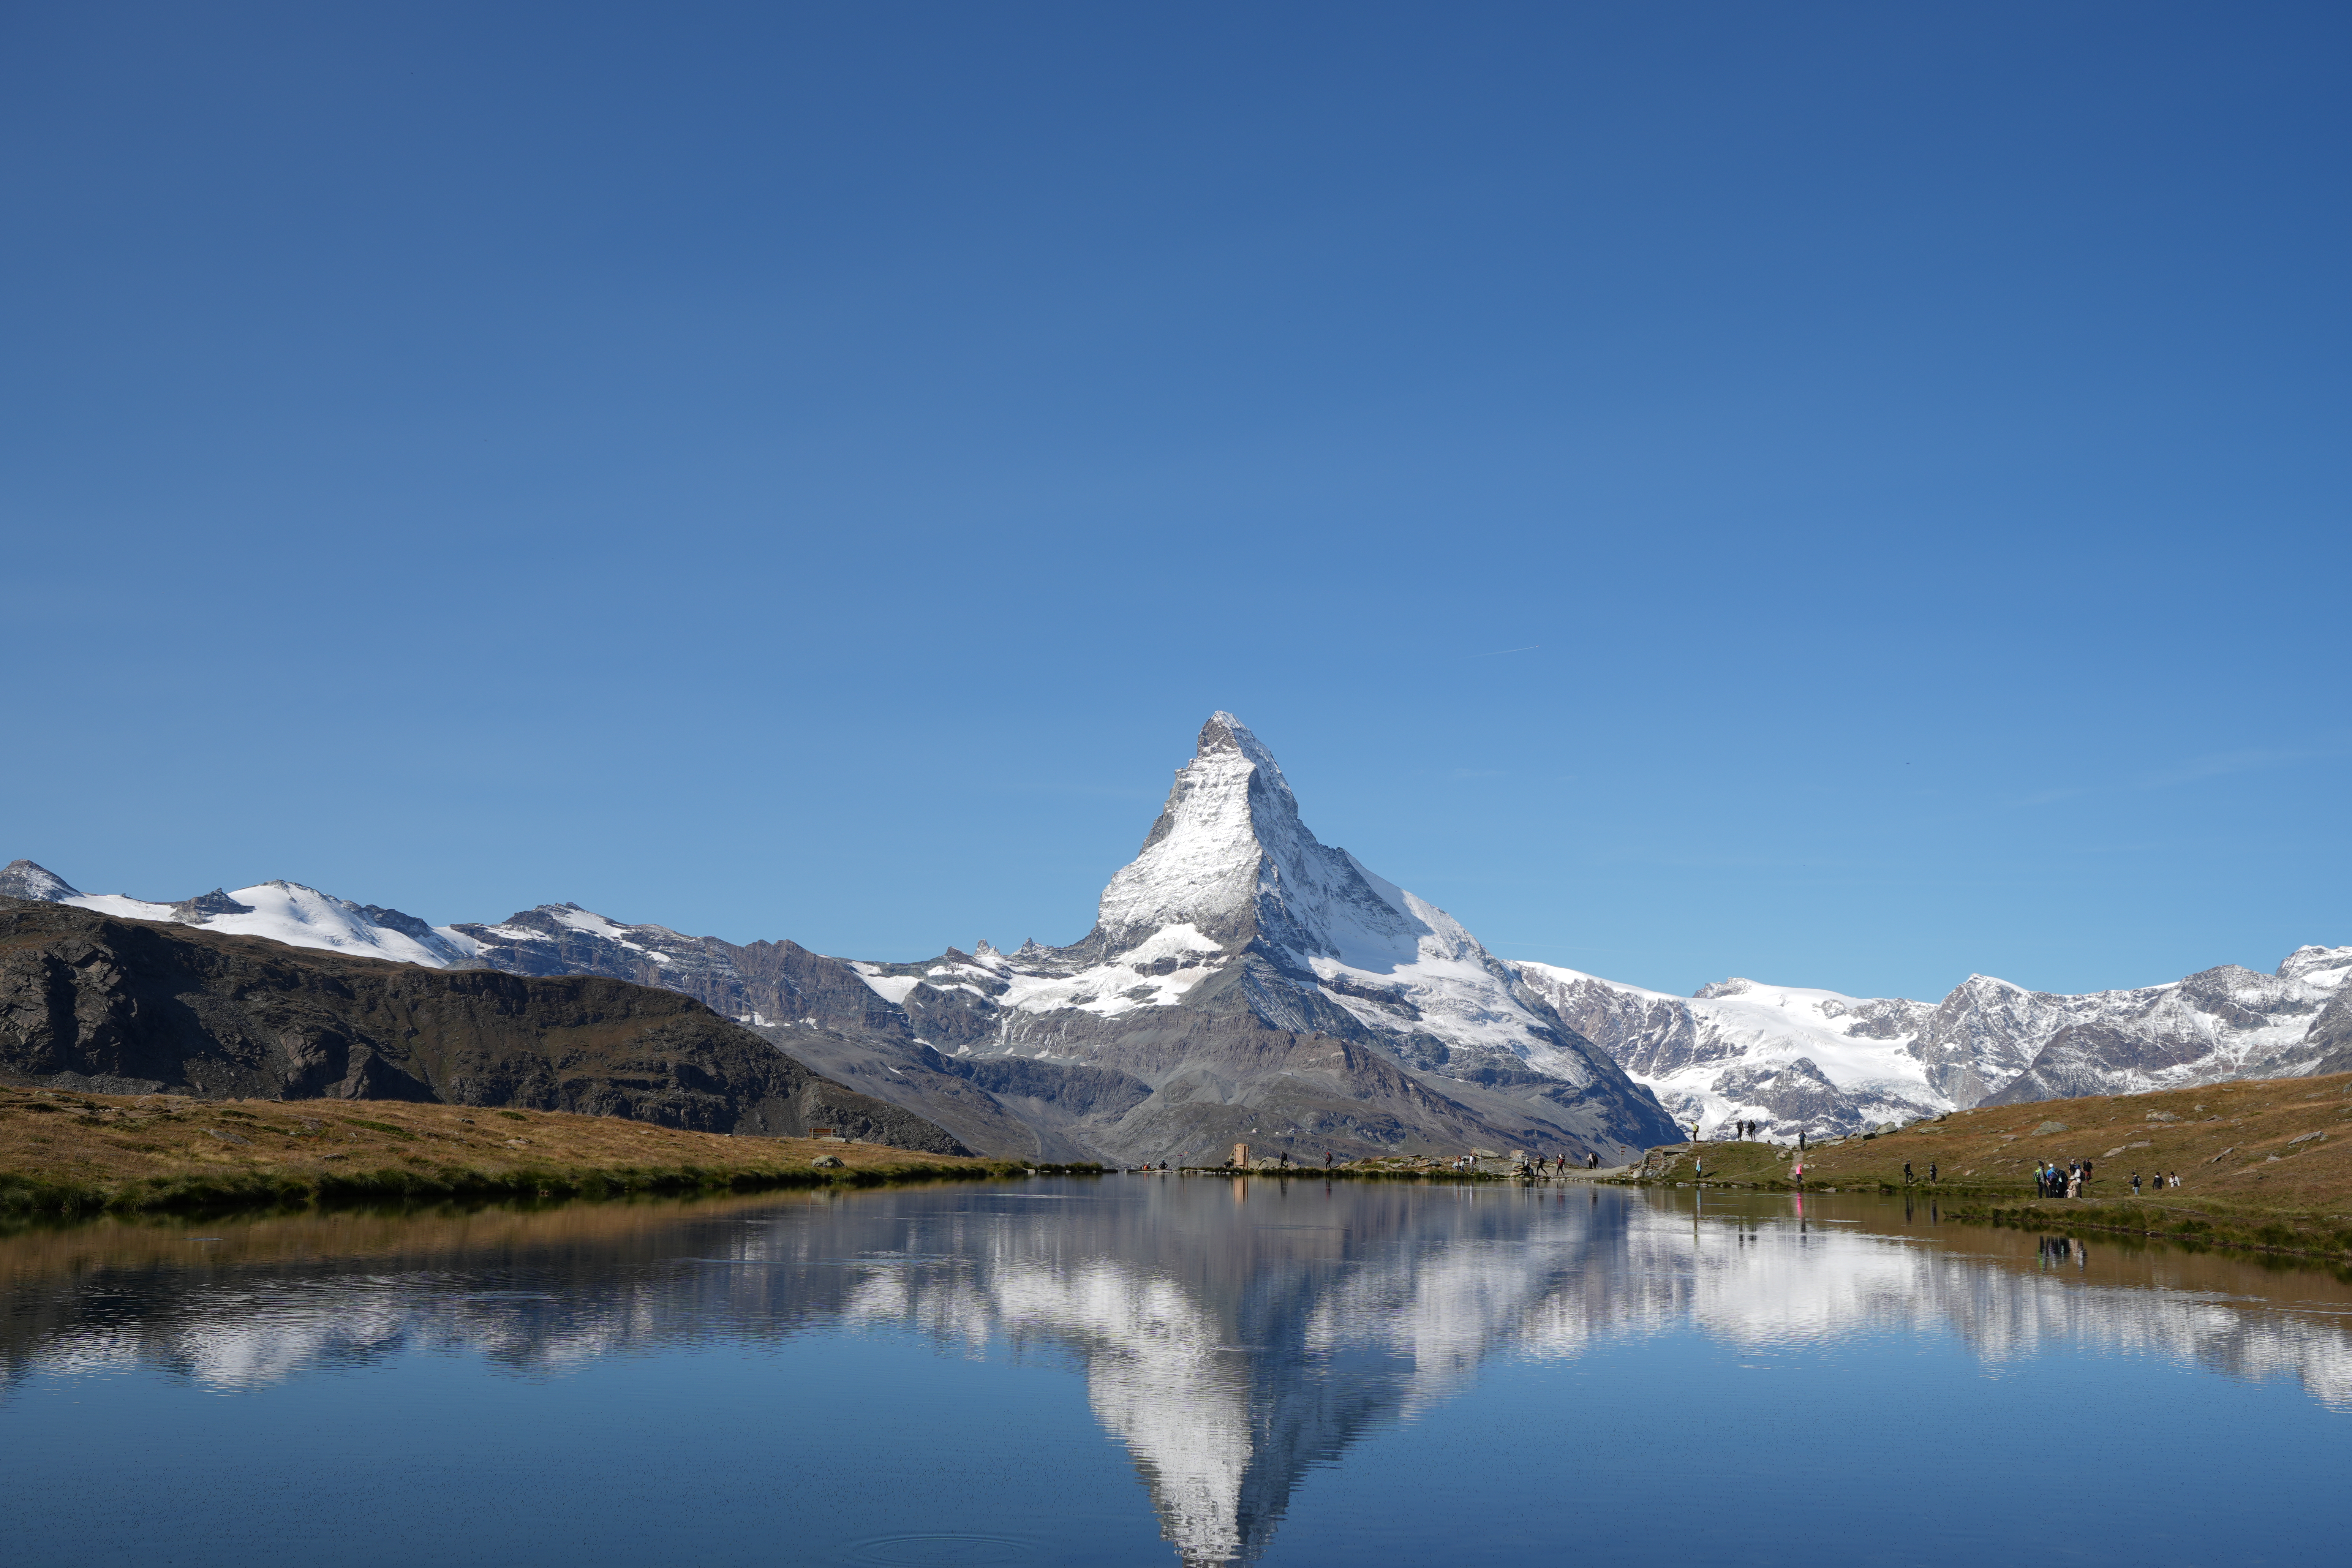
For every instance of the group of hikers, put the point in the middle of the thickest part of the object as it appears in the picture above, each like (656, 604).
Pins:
(2051, 1181)
(1539, 1166)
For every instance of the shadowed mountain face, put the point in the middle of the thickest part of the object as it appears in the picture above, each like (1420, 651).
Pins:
(1234, 1335)
(130, 1007)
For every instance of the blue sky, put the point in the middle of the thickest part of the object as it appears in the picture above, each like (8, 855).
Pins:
(1845, 495)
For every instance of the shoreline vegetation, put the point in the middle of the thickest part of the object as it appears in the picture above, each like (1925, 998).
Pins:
(67, 1152)
(2265, 1164)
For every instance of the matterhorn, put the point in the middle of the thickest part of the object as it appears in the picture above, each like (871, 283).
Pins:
(1245, 982)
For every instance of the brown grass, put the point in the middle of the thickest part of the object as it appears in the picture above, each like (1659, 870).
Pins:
(2250, 1174)
(59, 1148)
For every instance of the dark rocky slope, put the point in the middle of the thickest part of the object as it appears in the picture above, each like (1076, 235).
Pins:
(129, 1007)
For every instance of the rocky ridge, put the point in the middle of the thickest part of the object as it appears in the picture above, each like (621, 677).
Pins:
(1243, 981)
(94, 1002)
(1792, 1057)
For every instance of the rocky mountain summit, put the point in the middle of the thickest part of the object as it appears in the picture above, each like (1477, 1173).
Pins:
(1245, 982)
(1254, 983)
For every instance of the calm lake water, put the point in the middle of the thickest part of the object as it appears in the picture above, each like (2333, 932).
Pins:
(1149, 1371)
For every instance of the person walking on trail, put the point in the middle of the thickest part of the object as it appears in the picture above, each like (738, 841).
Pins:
(1906, 1173)
(1327, 1159)
(2135, 1184)
(1931, 1173)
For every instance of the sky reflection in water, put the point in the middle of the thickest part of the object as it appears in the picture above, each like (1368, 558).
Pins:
(1295, 1372)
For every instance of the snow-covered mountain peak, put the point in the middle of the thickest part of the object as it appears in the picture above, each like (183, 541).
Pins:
(2322, 966)
(1229, 858)
(1229, 879)
(1735, 986)
(280, 910)
(1223, 732)
(39, 884)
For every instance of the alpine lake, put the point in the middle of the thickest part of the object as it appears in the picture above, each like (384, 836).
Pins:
(1153, 1370)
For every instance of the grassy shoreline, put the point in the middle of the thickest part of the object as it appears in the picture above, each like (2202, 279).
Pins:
(2265, 1164)
(2195, 1230)
(65, 1152)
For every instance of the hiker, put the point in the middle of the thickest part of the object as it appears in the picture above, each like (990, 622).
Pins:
(1906, 1173)
(1327, 1159)
(1800, 1138)
(1798, 1170)
(1592, 1161)
(1931, 1173)
(2074, 1184)
(2086, 1176)
(2135, 1184)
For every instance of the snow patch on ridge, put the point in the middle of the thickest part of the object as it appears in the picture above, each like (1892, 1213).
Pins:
(289, 912)
(1862, 1046)
(891, 988)
(1187, 955)
(121, 906)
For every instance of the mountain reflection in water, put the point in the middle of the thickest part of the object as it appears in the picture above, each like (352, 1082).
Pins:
(1233, 1334)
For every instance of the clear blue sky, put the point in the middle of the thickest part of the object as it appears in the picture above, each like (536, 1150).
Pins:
(1848, 494)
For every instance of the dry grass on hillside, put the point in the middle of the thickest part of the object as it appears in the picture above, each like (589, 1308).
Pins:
(2266, 1151)
(92, 1147)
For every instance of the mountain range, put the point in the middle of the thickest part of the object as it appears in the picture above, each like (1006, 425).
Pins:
(1245, 982)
